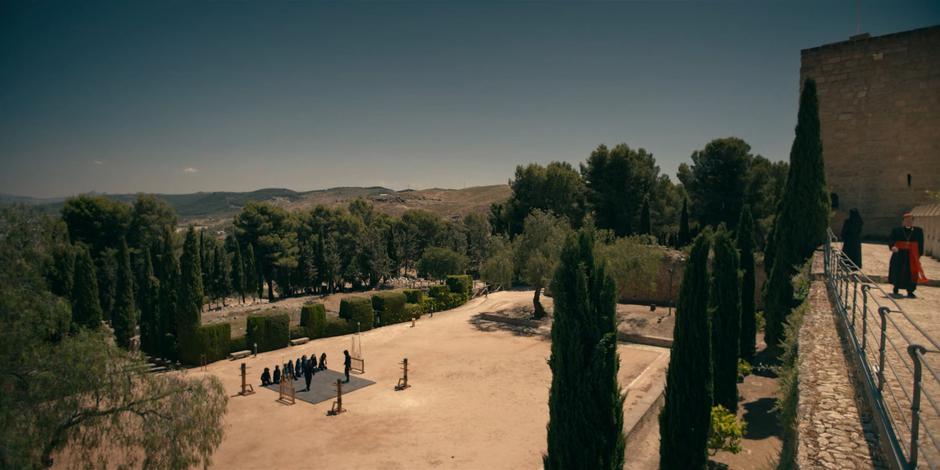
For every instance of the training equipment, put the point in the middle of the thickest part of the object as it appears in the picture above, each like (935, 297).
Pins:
(403, 381)
(337, 407)
(358, 363)
(286, 393)
(247, 388)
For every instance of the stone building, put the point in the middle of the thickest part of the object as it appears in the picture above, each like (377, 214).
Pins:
(879, 109)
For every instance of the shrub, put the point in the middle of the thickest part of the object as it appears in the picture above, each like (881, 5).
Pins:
(443, 302)
(357, 310)
(268, 332)
(297, 331)
(414, 296)
(313, 319)
(389, 307)
(460, 284)
(337, 327)
(438, 291)
(744, 369)
(412, 311)
(211, 341)
(725, 432)
(238, 343)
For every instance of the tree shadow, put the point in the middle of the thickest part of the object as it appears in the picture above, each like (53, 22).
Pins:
(519, 329)
(765, 363)
(761, 418)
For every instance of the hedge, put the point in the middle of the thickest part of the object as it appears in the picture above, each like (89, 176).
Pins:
(357, 309)
(460, 284)
(414, 296)
(238, 343)
(269, 332)
(313, 319)
(444, 302)
(297, 331)
(211, 341)
(412, 311)
(389, 307)
(337, 327)
(439, 290)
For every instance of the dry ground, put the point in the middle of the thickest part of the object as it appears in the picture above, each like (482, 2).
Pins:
(478, 401)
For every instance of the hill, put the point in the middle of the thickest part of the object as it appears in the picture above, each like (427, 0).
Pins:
(217, 208)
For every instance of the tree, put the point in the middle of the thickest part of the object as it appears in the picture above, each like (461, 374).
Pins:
(478, 236)
(272, 231)
(189, 302)
(221, 275)
(96, 221)
(804, 215)
(717, 184)
(169, 295)
(124, 320)
(745, 244)
(726, 321)
(150, 216)
(438, 263)
(252, 278)
(685, 417)
(684, 236)
(86, 311)
(96, 400)
(585, 402)
(556, 188)
(61, 272)
(106, 269)
(616, 181)
(497, 269)
(645, 227)
(148, 299)
(536, 252)
(239, 281)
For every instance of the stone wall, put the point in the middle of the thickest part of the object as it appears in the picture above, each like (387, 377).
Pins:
(879, 107)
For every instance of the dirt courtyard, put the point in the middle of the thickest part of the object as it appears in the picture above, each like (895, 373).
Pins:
(479, 399)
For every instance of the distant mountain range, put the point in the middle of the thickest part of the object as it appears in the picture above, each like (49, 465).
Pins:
(217, 208)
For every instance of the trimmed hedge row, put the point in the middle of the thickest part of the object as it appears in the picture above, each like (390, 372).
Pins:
(460, 284)
(414, 296)
(269, 332)
(337, 327)
(357, 310)
(438, 290)
(211, 341)
(389, 307)
(413, 311)
(444, 302)
(313, 319)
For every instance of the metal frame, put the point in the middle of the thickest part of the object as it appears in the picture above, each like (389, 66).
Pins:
(893, 374)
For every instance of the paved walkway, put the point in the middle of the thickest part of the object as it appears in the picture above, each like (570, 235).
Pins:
(875, 257)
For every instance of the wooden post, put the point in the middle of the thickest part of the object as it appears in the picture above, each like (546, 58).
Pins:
(403, 382)
(247, 388)
(338, 404)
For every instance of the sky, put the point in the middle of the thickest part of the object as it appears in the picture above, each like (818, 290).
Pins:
(236, 95)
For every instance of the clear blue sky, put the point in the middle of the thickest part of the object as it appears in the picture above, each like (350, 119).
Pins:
(167, 96)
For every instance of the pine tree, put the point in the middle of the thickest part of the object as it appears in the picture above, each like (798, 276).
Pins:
(149, 292)
(585, 427)
(221, 274)
(124, 320)
(169, 294)
(684, 235)
(686, 416)
(645, 224)
(86, 309)
(189, 308)
(745, 245)
(800, 226)
(238, 270)
(726, 321)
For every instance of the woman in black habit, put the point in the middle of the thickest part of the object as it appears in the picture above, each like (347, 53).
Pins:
(277, 374)
(266, 377)
(852, 237)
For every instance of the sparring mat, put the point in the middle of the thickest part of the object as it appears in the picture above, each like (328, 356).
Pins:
(323, 386)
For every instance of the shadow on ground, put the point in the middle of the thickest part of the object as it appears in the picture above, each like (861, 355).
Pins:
(522, 328)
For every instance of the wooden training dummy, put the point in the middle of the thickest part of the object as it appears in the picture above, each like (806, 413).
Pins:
(247, 388)
(286, 391)
(338, 404)
(403, 381)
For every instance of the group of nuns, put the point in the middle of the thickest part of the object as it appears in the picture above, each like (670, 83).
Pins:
(293, 370)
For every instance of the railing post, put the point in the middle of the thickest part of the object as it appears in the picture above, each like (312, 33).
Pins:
(883, 312)
(916, 351)
(854, 294)
(865, 289)
(864, 328)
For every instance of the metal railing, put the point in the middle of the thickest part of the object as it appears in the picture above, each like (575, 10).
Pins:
(900, 361)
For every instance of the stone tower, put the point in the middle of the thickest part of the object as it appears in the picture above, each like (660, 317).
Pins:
(879, 109)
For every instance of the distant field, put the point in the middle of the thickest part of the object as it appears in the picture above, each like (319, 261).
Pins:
(217, 208)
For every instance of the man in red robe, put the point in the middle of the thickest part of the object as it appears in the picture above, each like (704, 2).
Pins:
(907, 246)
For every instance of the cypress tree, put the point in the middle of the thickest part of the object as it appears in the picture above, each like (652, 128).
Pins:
(645, 224)
(189, 308)
(169, 291)
(684, 234)
(745, 244)
(62, 272)
(124, 320)
(726, 321)
(800, 226)
(221, 274)
(585, 427)
(86, 309)
(106, 269)
(252, 274)
(686, 416)
(238, 270)
(149, 292)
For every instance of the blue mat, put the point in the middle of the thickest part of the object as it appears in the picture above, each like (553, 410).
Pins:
(323, 386)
